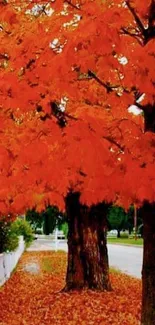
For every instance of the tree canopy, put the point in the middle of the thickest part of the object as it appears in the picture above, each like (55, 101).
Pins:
(71, 75)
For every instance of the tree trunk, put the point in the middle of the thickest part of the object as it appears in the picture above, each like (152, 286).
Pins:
(130, 231)
(148, 271)
(118, 233)
(149, 118)
(87, 251)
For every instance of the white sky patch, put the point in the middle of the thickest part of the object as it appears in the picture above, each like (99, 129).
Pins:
(140, 99)
(123, 60)
(49, 12)
(63, 104)
(135, 110)
(64, 12)
(120, 91)
(121, 76)
(124, 4)
(54, 43)
(73, 22)
(38, 9)
(56, 46)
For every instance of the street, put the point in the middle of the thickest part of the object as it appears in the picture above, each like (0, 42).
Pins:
(126, 258)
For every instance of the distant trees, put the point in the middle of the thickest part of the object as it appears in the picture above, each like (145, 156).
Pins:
(48, 219)
(117, 219)
(52, 218)
(120, 220)
(35, 219)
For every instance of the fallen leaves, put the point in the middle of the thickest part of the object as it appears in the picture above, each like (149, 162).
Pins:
(35, 298)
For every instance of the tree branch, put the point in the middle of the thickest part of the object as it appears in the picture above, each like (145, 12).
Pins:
(112, 141)
(151, 19)
(134, 35)
(146, 33)
(108, 87)
(3, 2)
(137, 19)
(72, 5)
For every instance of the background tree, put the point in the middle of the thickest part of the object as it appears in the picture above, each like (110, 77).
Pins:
(130, 214)
(46, 220)
(117, 219)
(34, 218)
(52, 218)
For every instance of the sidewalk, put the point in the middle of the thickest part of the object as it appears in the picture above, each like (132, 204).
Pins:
(43, 244)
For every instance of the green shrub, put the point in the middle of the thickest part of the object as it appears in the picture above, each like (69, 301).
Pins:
(3, 235)
(124, 235)
(8, 239)
(64, 228)
(22, 227)
(11, 242)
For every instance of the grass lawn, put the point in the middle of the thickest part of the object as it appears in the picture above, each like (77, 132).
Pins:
(126, 241)
(33, 296)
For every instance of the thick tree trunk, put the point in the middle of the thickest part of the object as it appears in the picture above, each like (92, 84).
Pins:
(87, 251)
(148, 272)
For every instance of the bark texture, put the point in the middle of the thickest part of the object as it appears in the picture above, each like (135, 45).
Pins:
(118, 233)
(148, 271)
(149, 119)
(87, 251)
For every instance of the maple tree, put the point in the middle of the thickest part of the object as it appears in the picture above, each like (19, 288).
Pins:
(61, 151)
(66, 119)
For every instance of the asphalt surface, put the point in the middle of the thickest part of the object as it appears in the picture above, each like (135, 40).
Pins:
(128, 259)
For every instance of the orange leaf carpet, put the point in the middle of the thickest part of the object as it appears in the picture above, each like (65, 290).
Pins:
(33, 296)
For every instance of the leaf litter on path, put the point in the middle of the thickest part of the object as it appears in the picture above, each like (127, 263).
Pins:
(32, 296)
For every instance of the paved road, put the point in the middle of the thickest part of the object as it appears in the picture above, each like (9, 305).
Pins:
(126, 258)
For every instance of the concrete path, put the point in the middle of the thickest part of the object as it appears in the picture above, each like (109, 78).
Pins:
(42, 244)
(128, 259)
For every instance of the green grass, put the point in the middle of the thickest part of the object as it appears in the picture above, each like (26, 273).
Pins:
(115, 270)
(125, 241)
(46, 265)
(52, 264)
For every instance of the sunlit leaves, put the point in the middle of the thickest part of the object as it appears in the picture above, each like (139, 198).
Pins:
(91, 54)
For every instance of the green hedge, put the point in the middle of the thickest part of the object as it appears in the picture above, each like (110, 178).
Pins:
(10, 232)
(124, 235)
(64, 228)
(8, 239)
(11, 243)
(22, 227)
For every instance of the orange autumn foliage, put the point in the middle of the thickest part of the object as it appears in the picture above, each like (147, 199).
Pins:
(99, 60)
(35, 298)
